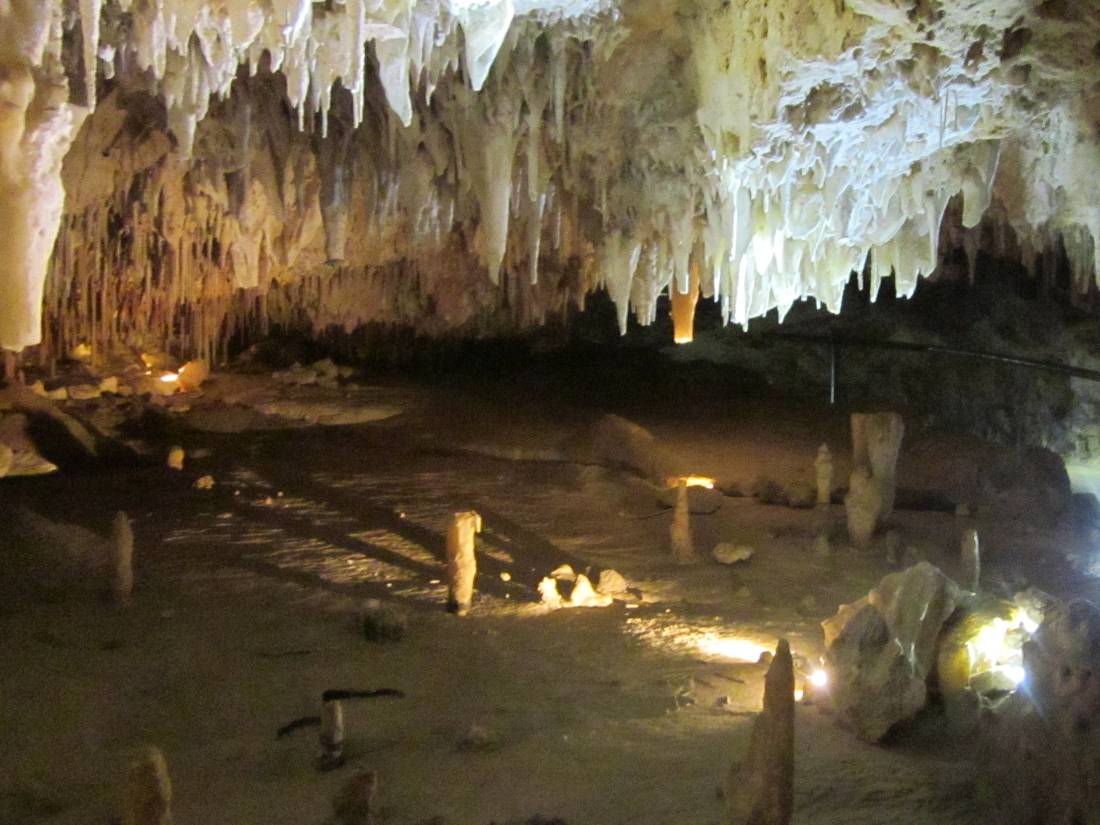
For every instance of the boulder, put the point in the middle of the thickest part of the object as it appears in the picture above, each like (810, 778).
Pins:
(616, 442)
(729, 553)
(881, 650)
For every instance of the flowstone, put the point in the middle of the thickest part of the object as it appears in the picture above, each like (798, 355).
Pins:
(881, 649)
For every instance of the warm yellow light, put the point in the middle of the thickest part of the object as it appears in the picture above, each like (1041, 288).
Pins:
(169, 377)
(686, 339)
(819, 678)
(798, 694)
(698, 481)
(731, 647)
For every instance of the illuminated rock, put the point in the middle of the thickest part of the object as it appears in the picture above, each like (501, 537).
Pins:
(881, 650)
(583, 594)
(332, 735)
(461, 561)
(176, 457)
(760, 790)
(679, 531)
(970, 563)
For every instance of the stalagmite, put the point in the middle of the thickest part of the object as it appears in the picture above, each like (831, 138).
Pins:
(461, 561)
(332, 735)
(147, 795)
(862, 506)
(823, 468)
(761, 788)
(122, 544)
(970, 564)
(884, 433)
(176, 458)
(683, 549)
(860, 457)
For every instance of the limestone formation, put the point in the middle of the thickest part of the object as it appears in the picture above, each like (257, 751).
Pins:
(584, 595)
(881, 650)
(679, 534)
(822, 550)
(860, 457)
(611, 583)
(970, 564)
(461, 561)
(192, 374)
(761, 788)
(332, 735)
(7, 457)
(354, 803)
(862, 506)
(548, 593)
(122, 544)
(884, 433)
(729, 553)
(823, 469)
(147, 794)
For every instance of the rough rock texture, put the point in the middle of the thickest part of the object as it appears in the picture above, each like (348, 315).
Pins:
(881, 650)
(436, 163)
(461, 561)
(862, 506)
(884, 432)
(761, 788)
(1041, 747)
(679, 531)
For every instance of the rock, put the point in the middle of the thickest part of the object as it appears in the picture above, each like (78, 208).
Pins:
(204, 483)
(122, 543)
(477, 738)
(1040, 752)
(616, 442)
(823, 472)
(54, 557)
(7, 458)
(800, 495)
(881, 650)
(761, 788)
(176, 458)
(884, 433)
(147, 795)
(193, 374)
(862, 506)
(584, 596)
(109, 385)
(354, 803)
(970, 563)
(611, 583)
(679, 534)
(548, 593)
(58, 436)
(822, 550)
(84, 392)
(767, 491)
(461, 561)
(563, 573)
(892, 545)
(381, 622)
(729, 553)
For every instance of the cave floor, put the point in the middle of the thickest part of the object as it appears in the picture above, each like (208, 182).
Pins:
(245, 606)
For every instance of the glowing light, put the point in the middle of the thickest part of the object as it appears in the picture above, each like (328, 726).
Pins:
(683, 339)
(1026, 622)
(819, 678)
(169, 377)
(731, 647)
(798, 694)
(698, 481)
(1014, 673)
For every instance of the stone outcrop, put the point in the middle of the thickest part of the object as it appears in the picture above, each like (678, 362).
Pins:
(882, 649)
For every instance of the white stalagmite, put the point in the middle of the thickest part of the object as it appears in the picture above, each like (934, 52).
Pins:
(461, 561)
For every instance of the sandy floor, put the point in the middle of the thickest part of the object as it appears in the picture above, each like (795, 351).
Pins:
(245, 610)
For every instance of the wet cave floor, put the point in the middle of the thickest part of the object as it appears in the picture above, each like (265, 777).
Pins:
(246, 596)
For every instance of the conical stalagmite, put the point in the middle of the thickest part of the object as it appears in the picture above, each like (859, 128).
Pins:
(122, 546)
(683, 550)
(461, 561)
(823, 469)
(859, 441)
(970, 563)
(761, 788)
(147, 796)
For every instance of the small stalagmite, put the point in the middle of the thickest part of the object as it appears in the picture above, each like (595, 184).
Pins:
(862, 506)
(175, 458)
(122, 548)
(461, 561)
(859, 441)
(354, 802)
(823, 468)
(147, 795)
(761, 788)
(332, 735)
(884, 432)
(683, 550)
(970, 563)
